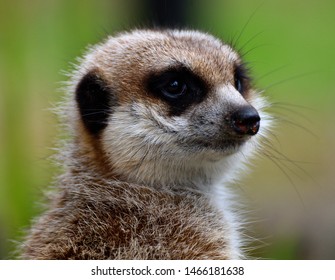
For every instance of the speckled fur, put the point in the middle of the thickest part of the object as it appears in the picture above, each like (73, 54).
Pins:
(143, 188)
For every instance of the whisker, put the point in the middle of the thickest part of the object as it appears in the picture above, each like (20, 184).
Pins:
(301, 115)
(271, 72)
(295, 77)
(269, 145)
(285, 164)
(254, 48)
(235, 42)
(274, 136)
(135, 153)
(293, 162)
(285, 104)
(240, 49)
(95, 113)
(142, 160)
(282, 119)
(278, 164)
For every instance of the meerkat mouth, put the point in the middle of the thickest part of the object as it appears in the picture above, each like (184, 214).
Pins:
(221, 146)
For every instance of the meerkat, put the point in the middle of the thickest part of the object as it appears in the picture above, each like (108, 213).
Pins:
(161, 122)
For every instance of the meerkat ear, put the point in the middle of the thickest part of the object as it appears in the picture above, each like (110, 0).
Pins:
(93, 98)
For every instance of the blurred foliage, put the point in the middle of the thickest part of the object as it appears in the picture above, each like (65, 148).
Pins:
(289, 45)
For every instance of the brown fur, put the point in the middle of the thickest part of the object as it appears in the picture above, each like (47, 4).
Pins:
(119, 221)
(130, 198)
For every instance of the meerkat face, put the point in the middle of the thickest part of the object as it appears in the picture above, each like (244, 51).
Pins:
(171, 98)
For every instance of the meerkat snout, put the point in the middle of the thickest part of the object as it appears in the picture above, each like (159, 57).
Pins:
(245, 121)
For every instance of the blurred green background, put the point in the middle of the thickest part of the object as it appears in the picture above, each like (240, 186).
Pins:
(290, 46)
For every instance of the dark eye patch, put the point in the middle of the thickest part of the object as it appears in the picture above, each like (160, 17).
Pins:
(179, 87)
(241, 78)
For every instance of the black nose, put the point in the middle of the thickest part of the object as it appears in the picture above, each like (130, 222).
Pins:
(245, 121)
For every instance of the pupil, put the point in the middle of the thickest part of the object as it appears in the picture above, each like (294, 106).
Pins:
(176, 87)
(238, 84)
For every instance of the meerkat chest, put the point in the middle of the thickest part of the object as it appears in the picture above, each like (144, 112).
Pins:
(156, 225)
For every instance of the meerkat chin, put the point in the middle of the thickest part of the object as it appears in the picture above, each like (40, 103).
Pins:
(161, 121)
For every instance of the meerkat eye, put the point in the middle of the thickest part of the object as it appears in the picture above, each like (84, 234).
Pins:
(238, 84)
(174, 88)
(241, 78)
(180, 88)
(172, 84)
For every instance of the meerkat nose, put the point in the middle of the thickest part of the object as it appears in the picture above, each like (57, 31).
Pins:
(245, 121)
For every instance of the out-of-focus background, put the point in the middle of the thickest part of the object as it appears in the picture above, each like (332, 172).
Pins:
(290, 47)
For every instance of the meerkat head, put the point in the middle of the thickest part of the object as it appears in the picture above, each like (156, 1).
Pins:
(166, 107)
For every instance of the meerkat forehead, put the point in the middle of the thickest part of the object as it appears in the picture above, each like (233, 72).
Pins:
(141, 52)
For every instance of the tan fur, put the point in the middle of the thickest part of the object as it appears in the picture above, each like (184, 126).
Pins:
(134, 192)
